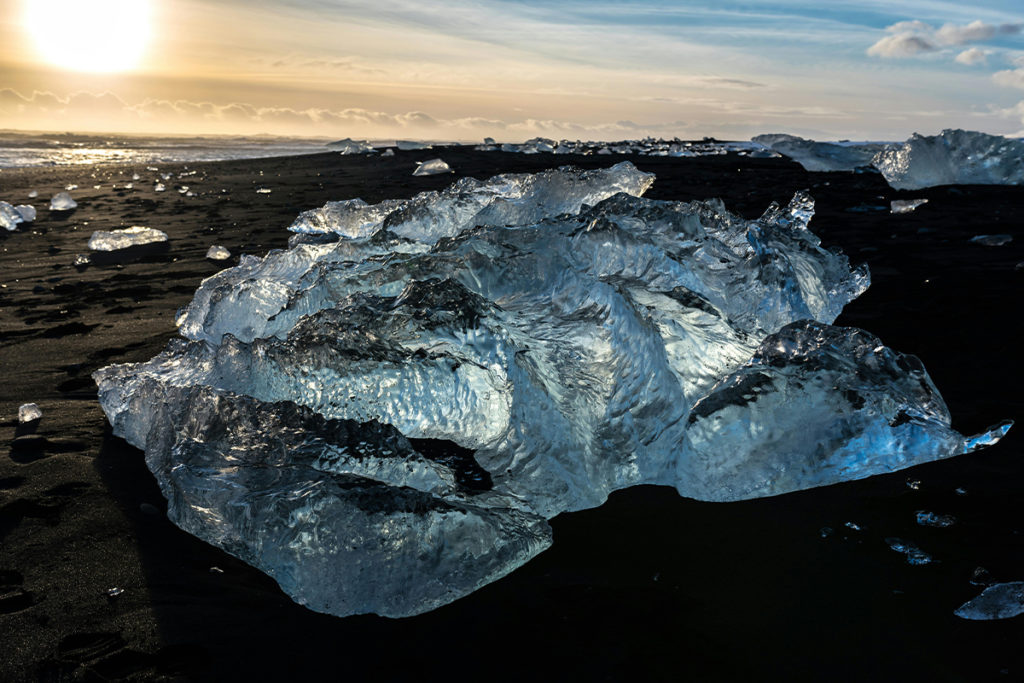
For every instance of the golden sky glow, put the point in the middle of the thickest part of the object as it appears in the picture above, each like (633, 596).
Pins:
(512, 69)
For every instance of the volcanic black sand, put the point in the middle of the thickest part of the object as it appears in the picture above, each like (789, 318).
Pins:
(650, 586)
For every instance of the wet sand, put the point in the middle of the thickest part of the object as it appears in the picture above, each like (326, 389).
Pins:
(650, 586)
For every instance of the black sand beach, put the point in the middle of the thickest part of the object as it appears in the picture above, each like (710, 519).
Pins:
(650, 586)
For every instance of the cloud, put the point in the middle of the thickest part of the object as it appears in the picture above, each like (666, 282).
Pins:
(108, 113)
(901, 45)
(911, 38)
(972, 57)
(1010, 78)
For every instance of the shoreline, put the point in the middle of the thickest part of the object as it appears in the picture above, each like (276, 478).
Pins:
(645, 586)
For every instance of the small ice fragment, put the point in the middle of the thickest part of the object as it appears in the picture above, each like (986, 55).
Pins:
(915, 555)
(81, 260)
(263, 190)
(190, 193)
(28, 213)
(826, 531)
(980, 577)
(10, 217)
(906, 205)
(62, 201)
(154, 169)
(183, 189)
(70, 186)
(989, 437)
(128, 186)
(998, 601)
(992, 240)
(432, 167)
(114, 592)
(33, 194)
(350, 146)
(104, 240)
(853, 526)
(925, 518)
(136, 176)
(914, 484)
(217, 253)
(960, 491)
(388, 153)
(216, 570)
(489, 141)
(159, 187)
(28, 413)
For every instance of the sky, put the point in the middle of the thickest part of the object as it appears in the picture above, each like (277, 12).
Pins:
(512, 70)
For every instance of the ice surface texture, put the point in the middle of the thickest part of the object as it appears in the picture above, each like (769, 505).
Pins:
(112, 240)
(384, 423)
(998, 601)
(956, 157)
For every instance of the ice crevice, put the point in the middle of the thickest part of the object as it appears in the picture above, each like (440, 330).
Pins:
(384, 416)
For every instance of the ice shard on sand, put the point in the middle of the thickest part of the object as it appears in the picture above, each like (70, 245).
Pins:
(385, 422)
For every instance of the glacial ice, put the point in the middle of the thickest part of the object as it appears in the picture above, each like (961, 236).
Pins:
(218, 253)
(906, 205)
(508, 199)
(27, 212)
(112, 240)
(384, 423)
(955, 157)
(914, 555)
(10, 217)
(432, 167)
(350, 146)
(29, 412)
(819, 156)
(998, 601)
(62, 201)
(388, 153)
(409, 145)
(1000, 240)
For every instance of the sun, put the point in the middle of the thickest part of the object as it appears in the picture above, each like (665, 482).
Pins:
(98, 36)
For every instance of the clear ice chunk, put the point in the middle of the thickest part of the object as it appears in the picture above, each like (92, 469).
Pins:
(906, 205)
(508, 199)
(27, 212)
(112, 240)
(384, 423)
(955, 157)
(218, 253)
(33, 194)
(350, 146)
(29, 412)
(914, 555)
(10, 217)
(432, 167)
(926, 518)
(388, 153)
(159, 187)
(407, 145)
(62, 201)
(819, 156)
(998, 601)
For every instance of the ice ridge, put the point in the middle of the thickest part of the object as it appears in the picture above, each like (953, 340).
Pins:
(385, 422)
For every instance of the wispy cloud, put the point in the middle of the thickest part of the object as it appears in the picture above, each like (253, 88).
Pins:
(972, 57)
(911, 38)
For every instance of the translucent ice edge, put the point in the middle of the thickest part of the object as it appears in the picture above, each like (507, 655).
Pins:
(385, 423)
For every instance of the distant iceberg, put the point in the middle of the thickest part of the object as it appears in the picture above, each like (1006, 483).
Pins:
(955, 157)
(411, 145)
(820, 156)
(385, 422)
(350, 146)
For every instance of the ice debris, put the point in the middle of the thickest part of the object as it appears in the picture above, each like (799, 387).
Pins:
(388, 153)
(263, 190)
(33, 194)
(998, 601)
(29, 412)
(820, 156)
(926, 518)
(10, 218)
(350, 146)
(62, 201)
(407, 145)
(915, 555)
(906, 205)
(508, 199)
(955, 157)
(218, 253)
(992, 240)
(432, 167)
(385, 422)
(112, 240)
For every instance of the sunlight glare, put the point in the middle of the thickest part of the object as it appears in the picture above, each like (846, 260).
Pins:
(99, 36)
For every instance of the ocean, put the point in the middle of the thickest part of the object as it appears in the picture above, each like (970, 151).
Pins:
(19, 150)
